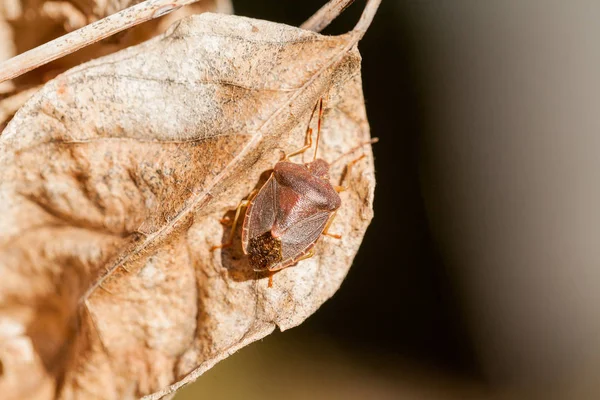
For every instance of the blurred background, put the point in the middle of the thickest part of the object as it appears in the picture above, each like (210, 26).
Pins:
(479, 275)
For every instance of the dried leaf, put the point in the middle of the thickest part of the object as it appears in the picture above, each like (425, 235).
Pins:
(113, 178)
(26, 24)
(10, 105)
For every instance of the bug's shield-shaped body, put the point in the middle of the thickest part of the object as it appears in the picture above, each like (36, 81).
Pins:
(289, 213)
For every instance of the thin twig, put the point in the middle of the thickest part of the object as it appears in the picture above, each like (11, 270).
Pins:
(367, 16)
(88, 35)
(326, 14)
(142, 12)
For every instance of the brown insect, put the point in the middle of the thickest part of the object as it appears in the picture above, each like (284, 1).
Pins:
(295, 206)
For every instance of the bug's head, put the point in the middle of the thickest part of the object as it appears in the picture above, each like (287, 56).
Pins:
(319, 168)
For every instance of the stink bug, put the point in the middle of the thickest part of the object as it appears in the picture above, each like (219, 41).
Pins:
(295, 206)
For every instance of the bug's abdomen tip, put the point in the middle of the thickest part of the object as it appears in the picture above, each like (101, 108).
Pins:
(264, 250)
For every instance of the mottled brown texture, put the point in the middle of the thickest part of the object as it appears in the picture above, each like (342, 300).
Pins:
(113, 179)
(10, 104)
(263, 251)
(27, 24)
(288, 215)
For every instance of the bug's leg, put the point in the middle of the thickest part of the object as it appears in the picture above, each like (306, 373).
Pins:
(341, 187)
(319, 121)
(307, 255)
(238, 212)
(309, 131)
(229, 242)
(326, 230)
(371, 141)
(226, 221)
(307, 145)
(270, 284)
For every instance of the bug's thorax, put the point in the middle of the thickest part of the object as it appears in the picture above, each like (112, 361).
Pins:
(319, 168)
(302, 192)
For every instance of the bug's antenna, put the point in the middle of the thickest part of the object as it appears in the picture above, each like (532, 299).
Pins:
(352, 150)
(319, 127)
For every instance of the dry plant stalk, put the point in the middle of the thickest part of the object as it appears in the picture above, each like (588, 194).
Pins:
(27, 23)
(89, 34)
(113, 178)
(326, 14)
